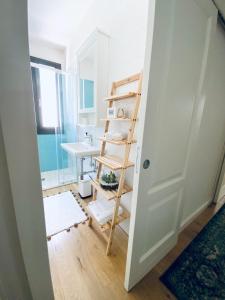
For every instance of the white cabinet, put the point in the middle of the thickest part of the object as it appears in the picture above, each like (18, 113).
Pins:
(93, 65)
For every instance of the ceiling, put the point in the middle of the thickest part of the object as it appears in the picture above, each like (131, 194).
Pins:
(55, 20)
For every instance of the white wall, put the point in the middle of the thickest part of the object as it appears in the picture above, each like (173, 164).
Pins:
(46, 50)
(125, 21)
(206, 158)
(221, 6)
(19, 134)
(86, 69)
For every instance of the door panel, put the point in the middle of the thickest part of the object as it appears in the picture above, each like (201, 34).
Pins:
(165, 209)
(178, 90)
(173, 73)
(208, 145)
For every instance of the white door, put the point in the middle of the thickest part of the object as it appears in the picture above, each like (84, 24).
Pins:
(207, 150)
(178, 43)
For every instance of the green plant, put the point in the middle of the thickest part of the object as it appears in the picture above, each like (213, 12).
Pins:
(109, 177)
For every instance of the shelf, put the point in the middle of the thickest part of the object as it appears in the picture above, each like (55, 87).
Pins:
(109, 194)
(121, 97)
(85, 125)
(123, 142)
(107, 226)
(125, 215)
(91, 111)
(113, 162)
(102, 211)
(118, 119)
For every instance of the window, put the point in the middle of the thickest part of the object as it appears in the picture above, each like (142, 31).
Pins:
(47, 89)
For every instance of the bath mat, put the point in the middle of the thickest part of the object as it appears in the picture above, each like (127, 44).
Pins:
(61, 213)
(199, 272)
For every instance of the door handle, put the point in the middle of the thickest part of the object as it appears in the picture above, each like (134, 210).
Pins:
(146, 164)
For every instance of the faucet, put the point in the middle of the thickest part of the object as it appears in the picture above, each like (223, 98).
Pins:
(88, 138)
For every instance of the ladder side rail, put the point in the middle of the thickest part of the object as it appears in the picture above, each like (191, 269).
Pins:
(133, 123)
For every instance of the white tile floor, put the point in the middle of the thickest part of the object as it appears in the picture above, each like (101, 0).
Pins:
(51, 179)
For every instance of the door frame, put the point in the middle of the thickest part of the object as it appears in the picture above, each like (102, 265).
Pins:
(20, 143)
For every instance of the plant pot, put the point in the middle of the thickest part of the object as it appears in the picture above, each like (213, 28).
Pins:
(108, 186)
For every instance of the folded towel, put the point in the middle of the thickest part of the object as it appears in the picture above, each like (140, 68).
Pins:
(116, 136)
(102, 210)
(119, 136)
(108, 135)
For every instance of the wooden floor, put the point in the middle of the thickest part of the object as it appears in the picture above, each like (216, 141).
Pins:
(81, 270)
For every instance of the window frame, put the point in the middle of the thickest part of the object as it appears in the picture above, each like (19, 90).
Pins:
(41, 130)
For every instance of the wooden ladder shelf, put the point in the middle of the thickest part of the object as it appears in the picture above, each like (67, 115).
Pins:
(114, 163)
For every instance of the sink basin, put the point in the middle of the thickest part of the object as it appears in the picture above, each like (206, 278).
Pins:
(80, 149)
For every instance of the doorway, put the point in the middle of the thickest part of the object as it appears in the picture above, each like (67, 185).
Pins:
(26, 196)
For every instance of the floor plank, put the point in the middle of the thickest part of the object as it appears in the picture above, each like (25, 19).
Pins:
(81, 270)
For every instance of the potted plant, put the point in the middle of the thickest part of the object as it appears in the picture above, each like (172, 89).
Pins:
(109, 181)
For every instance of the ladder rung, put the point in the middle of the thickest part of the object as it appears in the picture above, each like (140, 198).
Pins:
(109, 194)
(107, 226)
(119, 119)
(104, 227)
(121, 97)
(113, 162)
(127, 80)
(120, 218)
(123, 142)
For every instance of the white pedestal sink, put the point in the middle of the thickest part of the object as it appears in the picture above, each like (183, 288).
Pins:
(80, 150)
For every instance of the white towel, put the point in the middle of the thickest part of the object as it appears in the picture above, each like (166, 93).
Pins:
(108, 135)
(116, 136)
(102, 210)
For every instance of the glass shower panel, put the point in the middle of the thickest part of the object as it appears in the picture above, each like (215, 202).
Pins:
(45, 98)
(67, 94)
(55, 107)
